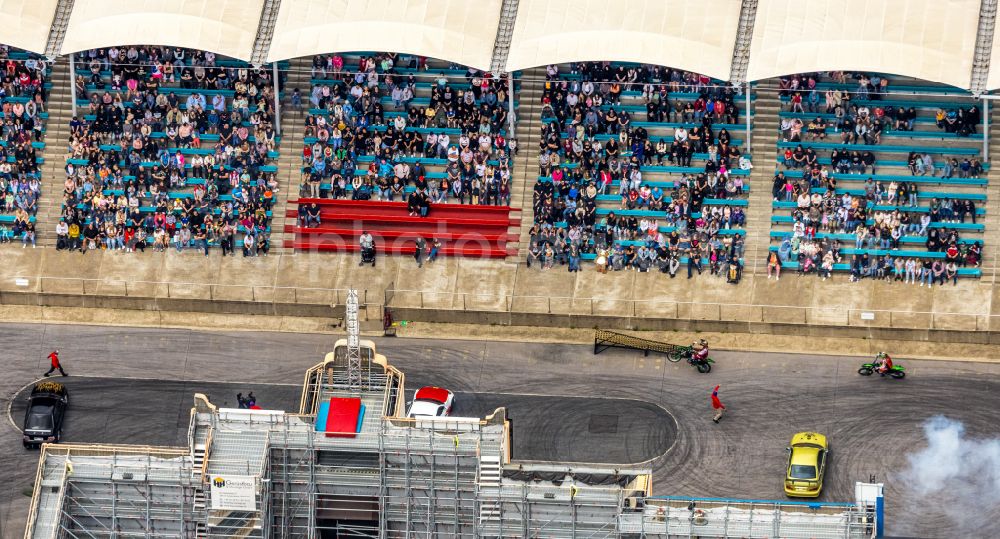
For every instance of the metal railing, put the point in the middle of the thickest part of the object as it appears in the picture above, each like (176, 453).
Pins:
(751, 313)
(192, 290)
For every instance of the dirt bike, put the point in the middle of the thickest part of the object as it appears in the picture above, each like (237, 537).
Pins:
(896, 371)
(682, 352)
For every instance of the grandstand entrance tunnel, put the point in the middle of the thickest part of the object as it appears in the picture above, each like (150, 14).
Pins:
(564, 429)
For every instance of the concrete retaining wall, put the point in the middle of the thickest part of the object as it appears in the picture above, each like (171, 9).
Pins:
(496, 292)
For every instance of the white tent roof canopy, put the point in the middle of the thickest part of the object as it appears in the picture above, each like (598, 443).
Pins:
(695, 36)
(27, 23)
(226, 27)
(928, 39)
(460, 31)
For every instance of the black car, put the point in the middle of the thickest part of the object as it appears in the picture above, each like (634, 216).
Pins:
(43, 420)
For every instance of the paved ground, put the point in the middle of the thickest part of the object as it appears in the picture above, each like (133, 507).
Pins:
(157, 412)
(873, 423)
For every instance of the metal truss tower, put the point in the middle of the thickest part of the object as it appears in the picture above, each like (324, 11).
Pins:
(353, 341)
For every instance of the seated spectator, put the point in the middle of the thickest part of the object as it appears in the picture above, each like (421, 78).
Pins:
(960, 120)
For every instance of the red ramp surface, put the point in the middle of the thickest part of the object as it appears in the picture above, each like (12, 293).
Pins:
(342, 417)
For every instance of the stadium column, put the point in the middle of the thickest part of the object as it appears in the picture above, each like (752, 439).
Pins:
(987, 103)
(277, 98)
(510, 106)
(747, 115)
(72, 81)
(986, 130)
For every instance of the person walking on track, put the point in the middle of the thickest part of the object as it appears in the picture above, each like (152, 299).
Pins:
(717, 405)
(54, 359)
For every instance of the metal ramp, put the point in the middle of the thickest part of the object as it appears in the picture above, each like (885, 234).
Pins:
(604, 339)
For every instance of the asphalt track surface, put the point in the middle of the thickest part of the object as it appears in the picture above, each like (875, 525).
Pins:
(157, 412)
(873, 424)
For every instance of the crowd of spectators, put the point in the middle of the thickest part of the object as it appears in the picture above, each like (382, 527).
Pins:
(144, 140)
(878, 220)
(805, 96)
(589, 148)
(818, 255)
(961, 121)
(22, 91)
(859, 119)
(370, 140)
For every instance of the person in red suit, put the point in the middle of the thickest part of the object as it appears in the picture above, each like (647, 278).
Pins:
(717, 405)
(54, 360)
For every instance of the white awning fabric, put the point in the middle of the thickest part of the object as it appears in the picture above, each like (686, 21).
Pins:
(695, 36)
(993, 81)
(227, 27)
(27, 23)
(928, 39)
(461, 31)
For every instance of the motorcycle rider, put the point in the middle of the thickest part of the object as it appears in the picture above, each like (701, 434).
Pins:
(699, 351)
(883, 363)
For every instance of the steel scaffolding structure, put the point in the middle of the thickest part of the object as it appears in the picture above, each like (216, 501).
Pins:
(112, 492)
(393, 478)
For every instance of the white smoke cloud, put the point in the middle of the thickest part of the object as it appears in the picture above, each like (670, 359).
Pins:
(960, 474)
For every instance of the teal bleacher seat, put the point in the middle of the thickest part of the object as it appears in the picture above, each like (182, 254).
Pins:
(938, 224)
(886, 178)
(920, 194)
(9, 219)
(917, 104)
(842, 236)
(667, 229)
(886, 148)
(877, 207)
(831, 117)
(898, 88)
(962, 272)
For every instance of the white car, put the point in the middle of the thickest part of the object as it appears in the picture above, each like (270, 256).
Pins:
(431, 402)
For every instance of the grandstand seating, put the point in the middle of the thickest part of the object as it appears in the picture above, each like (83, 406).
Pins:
(369, 144)
(176, 149)
(678, 204)
(923, 170)
(462, 230)
(23, 91)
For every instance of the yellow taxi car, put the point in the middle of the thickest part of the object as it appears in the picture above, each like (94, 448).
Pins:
(806, 465)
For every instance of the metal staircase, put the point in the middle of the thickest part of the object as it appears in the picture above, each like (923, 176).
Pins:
(488, 485)
(199, 452)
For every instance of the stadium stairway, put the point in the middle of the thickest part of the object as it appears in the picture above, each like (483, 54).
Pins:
(60, 108)
(526, 162)
(290, 161)
(758, 226)
(991, 236)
